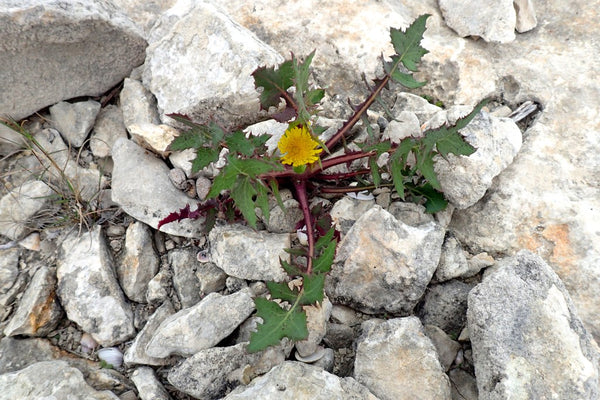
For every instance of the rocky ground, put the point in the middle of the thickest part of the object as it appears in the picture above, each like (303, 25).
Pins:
(494, 298)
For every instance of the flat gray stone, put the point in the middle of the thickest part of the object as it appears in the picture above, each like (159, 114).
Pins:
(201, 326)
(49, 380)
(18, 207)
(395, 360)
(136, 353)
(190, 70)
(139, 264)
(89, 291)
(55, 50)
(148, 385)
(108, 128)
(38, 311)
(248, 254)
(491, 20)
(210, 372)
(74, 120)
(298, 381)
(384, 265)
(147, 193)
(527, 339)
(465, 180)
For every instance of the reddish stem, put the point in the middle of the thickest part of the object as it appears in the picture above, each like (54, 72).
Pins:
(302, 197)
(360, 110)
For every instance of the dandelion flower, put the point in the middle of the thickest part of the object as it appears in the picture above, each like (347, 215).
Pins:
(298, 147)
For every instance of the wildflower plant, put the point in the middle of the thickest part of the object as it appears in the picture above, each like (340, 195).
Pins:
(251, 174)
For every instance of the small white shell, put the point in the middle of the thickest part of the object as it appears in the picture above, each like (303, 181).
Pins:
(203, 256)
(362, 195)
(112, 356)
(302, 236)
(314, 357)
(88, 344)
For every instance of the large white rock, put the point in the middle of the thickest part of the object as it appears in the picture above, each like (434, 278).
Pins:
(201, 326)
(49, 380)
(383, 265)
(492, 20)
(19, 206)
(527, 339)
(53, 50)
(297, 381)
(141, 186)
(396, 360)
(89, 291)
(200, 64)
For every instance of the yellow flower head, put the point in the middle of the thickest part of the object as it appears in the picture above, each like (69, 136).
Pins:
(298, 147)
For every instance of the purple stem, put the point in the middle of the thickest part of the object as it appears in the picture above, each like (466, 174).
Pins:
(302, 197)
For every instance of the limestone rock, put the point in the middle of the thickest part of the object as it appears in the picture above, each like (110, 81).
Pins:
(74, 120)
(316, 322)
(38, 312)
(108, 128)
(209, 372)
(395, 360)
(146, 193)
(18, 207)
(491, 20)
(138, 104)
(89, 291)
(85, 182)
(298, 381)
(464, 180)
(526, 18)
(248, 254)
(54, 51)
(201, 326)
(148, 385)
(9, 269)
(445, 306)
(196, 46)
(185, 281)
(347, 210)
(49, 379)
(526, 336)
(384, 265)
(140, 263)
(153, 137)
(136, 354)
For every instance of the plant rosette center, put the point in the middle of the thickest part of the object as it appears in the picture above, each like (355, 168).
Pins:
(298, 148)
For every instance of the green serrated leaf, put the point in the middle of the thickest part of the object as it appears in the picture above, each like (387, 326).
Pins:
(407, 80)
(464, 121)
(323, 262)
(313, 288)
(216, 133)
(324, 240)
(260, 140)
(282, 291)
(301, 75)
(277, 324)
(223, 181)
(290, 269)
(375, 171)
(425, 165)
(314, 96)
(251, 167)
(262, 199)
(435, 200)
(237, 143)
(274, 82)
(275, 190)
(408, 44)
(242, 194)
(187, 140)
(204, 156)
